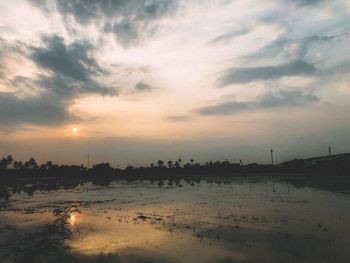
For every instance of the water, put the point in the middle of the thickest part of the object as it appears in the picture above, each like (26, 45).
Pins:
(240, 220)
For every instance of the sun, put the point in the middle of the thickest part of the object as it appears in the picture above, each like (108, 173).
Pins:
(75, 130)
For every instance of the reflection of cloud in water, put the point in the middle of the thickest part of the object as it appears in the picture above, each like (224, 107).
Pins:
(241, 221)
(109, 236)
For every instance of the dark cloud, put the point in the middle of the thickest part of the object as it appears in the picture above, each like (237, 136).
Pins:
(245, 75)
(43, 110)
(70, 72)
(282, 47)
(130, 20)
(143, 87)
(178, 118)
(72, 67)
(88, 11)
(129, 33)
(308, 2)
(225, 38)
(71, 60)
(281, 98)
(66, 86)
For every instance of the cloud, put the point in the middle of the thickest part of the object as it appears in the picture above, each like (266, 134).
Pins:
(67, 87)
(43, 110)
(281, 98)
(70, 71)
(296, 49)
(225, 38)
(143, 87)
(87, 11)
(129, 33)
(131, 21)
(343, 67)
(246, 75)
(71, 60)
(72, 67)
(178, 118)
(308, 2)
(8, 51)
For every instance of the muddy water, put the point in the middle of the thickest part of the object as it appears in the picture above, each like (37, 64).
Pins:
(243, 220)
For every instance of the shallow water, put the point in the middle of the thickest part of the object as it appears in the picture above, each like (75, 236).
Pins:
(241, 220)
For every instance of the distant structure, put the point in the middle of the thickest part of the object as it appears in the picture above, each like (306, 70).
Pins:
(330, 151)
(326, 158)
(271, 156)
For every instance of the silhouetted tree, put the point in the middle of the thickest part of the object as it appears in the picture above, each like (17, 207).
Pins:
(160, 163)
(9, 160)
(187, 165)
(129, 168)
(49, 165)
(170, 164)
(31, 164)
(18, 165)
(6, 162)
(3, 163)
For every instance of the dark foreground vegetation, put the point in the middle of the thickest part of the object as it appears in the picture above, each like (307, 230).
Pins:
(30, 176)
(335, 165)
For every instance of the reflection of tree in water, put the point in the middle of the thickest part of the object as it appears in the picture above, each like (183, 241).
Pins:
(334, 184)
(50, 176)
(4, 193)
(44, 244)
(4, 198)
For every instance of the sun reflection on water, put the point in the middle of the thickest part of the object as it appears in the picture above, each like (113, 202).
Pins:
(72, 219)
(210, 223)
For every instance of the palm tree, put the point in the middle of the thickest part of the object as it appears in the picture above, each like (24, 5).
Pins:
(192, 161)
(170, 164)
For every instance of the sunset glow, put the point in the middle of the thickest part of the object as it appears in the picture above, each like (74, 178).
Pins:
(174, 131)
(191, 79)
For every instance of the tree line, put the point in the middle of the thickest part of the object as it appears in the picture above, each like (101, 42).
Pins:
(339, 165)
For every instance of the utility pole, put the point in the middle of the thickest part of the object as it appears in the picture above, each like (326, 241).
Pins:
(271, 151)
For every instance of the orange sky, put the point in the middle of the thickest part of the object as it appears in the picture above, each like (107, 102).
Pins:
(144, 80)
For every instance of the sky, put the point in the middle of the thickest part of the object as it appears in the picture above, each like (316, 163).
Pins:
(166, 79)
